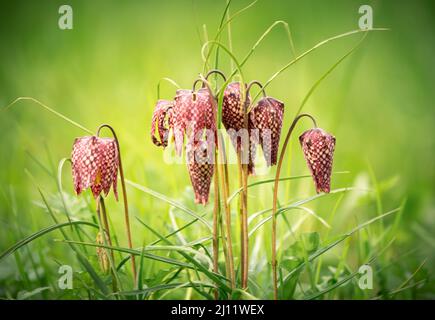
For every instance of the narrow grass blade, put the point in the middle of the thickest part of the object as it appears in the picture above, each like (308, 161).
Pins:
(40, 233)
(318, 45)
(294, 205)
(134, 252)
(341, 239)
(211, 275)
(165, 287)
(58, 114)
(98, 281)
(256, 183)
(168, 200)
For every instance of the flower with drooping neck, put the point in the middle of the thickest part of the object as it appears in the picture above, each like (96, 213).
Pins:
(318, 147)
(234, 122)
(194, 117)
(267, 117)
(192, 114)
(201, 168)
(95, 164)
(232, 112)
(162, 121)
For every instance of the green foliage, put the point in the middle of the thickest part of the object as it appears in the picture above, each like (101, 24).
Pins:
(81, 79)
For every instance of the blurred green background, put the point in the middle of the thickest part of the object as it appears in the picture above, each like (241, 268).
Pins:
(379, 103)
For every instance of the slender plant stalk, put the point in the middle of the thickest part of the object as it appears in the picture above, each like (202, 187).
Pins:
(245, 234)
(243, 168)
(224, 181)
(216, 210)
(105, 233)
(223, 172)
(275, 199)
(227, 214)
(240, 210)
(124, 197)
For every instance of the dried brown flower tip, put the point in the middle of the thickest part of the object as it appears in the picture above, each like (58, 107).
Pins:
(163, 120)
(102, 256)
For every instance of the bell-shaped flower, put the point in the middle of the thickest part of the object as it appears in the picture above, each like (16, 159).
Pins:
(318, 147)
(95, 164)
(201, 168)
(194, 114)
(162, 121)
(267, 117)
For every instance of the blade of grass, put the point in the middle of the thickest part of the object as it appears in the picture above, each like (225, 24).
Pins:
(335, 65)
(294, 205)
(40, 233)
(338, 241)
(256, 183)
(211, 275)
(318, 45)
(58, 114)
(168, 200)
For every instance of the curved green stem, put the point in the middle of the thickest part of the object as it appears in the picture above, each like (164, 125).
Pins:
(124, 196)
(275, 198)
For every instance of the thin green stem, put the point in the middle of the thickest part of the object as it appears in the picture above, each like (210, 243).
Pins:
(124, 197)
(275, 199)
(216, 210)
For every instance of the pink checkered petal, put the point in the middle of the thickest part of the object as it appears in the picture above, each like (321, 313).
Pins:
(318, 147)
(267, 116)
(95, 164)
(232, 112)
(194, 116)
(201, 169)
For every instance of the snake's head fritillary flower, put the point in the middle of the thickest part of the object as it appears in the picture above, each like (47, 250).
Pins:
(162, 121)
(95, 164)
(232, 112)
(233, 121)
(267, 117)
(318, 147)
(201, 167)
(194, 116)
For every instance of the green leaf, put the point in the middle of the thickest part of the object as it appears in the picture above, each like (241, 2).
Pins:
(169, 201)
(23, 295)
(311, 241)
(40, 233)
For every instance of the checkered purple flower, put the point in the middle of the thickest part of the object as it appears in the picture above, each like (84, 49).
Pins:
(318, 147)
(194, 117)
(201, 168)
(95, 164)
(233, 121)
(267, 117)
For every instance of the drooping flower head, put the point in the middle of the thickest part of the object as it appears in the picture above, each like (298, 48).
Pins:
(194, 116)
(233, 112)
(201, 168)
(234, 122)
(95, 164)
(267, 117)
(162, 121)
(318, 147)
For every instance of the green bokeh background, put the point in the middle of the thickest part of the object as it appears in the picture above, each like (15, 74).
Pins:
(379, 103)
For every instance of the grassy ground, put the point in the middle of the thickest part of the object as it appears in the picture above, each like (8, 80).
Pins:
(377, 102)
